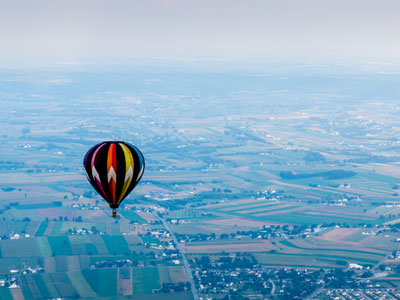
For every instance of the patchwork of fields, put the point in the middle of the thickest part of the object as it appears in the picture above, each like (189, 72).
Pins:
(295, 170)
(285, 212)
(65, 259)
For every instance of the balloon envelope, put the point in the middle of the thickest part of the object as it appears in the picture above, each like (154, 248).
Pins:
(114, 169)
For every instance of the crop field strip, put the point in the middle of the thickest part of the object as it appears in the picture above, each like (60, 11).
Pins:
(63, 285)
(5, 293)
(282, 210)
(331, 255)
(303, 219)
(258, 204)
(291, 216)
(132, 239)
(347, 215)
(348, 249)
(268, 209)
(80, 284)
(116, 244)
(103, 281)
(60, 245)
(35, 290)
(229, 247)
(172, 274)
(140, 286)
(19, 248)
(356, 237)
(293, 260)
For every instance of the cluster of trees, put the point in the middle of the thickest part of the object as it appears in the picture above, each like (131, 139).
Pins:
(11, 165)
(115, 263)
(297, 285)
(311, 157)
(339, 279)
(195, 237)
(238, 262)
(272, 230)
(373, 159)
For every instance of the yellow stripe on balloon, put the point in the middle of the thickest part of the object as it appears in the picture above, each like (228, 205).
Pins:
(129, 163)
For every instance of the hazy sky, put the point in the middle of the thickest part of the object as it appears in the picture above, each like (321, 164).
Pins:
(80, 30)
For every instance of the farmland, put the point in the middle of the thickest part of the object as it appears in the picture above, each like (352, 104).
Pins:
(246, 170)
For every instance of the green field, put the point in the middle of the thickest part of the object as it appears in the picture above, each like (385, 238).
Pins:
(5, 293)
(63, 285)
(43, 246)
(133, 217)
(37, 205)
(291, 245)
(150, 240)
(141, 286)
(116, 244)
(103, 281)
(60, 245)
(24, 247)
(26, 292)
(91, 249)
(172, 274)
(80, 284)
(274, 260)
(41, 285)
(133, 239)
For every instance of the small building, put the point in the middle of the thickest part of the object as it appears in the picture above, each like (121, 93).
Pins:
(355, 266)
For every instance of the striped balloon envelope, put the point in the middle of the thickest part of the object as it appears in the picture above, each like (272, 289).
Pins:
(114, 169)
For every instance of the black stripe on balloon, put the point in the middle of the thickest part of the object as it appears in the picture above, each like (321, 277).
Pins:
(88, 168)
(121, 170)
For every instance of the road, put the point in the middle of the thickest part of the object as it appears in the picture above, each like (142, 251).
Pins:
(382, 260)
(273, 286)
(185, 262)
(315, 293)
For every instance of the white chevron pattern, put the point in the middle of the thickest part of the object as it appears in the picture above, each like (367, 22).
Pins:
(112, 174)
(129, 174)
(95, 174)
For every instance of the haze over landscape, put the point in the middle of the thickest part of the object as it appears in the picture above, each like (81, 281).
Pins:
(270, 133)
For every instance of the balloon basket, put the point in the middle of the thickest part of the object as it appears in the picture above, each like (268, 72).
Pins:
(114, 213)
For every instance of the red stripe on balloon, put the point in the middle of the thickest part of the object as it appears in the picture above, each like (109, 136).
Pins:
(112, 171)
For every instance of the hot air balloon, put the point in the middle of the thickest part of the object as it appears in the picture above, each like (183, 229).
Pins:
(114, 168)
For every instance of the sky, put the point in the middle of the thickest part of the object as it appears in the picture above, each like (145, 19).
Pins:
(79, 31)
